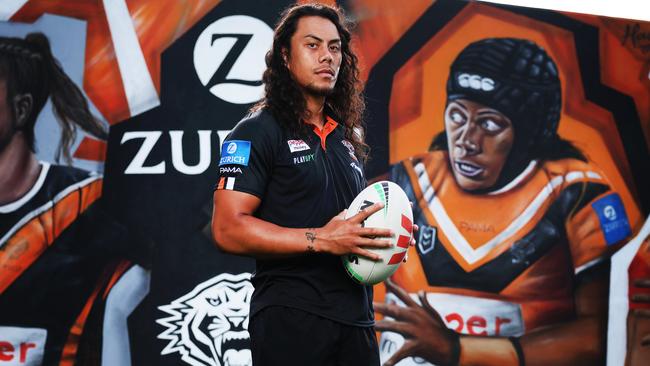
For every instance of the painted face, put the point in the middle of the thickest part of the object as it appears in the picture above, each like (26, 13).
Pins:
(479, 139)
(315, 56)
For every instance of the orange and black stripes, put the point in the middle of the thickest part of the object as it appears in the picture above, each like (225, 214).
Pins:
(104, 284)
(35, 236)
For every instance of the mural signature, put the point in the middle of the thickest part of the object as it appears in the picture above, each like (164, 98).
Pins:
(638, 38)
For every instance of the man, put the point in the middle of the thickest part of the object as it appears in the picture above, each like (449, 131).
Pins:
(59, 251)
(286, 173)
(516, 226)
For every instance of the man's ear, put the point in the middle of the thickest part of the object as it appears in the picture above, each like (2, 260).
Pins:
(22, 104)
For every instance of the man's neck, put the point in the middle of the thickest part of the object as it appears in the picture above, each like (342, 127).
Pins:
(19, 170)
(315, 106)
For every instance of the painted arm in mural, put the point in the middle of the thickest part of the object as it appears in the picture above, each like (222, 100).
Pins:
(638, 317)
(237, 231)
(580, 341)
(638, 327)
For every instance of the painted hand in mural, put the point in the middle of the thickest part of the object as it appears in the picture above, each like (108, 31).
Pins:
(639, 325)
(426, 334)
(644, 300)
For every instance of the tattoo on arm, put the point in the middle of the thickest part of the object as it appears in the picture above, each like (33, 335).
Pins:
(311, 236)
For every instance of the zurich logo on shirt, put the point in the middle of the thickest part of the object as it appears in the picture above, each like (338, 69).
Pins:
(235, 152)
(613, 219)
(232, 147)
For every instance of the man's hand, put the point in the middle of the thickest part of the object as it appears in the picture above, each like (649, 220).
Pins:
(342, 236)
(425, 333)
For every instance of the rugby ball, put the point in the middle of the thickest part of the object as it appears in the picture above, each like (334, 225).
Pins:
(396, 215)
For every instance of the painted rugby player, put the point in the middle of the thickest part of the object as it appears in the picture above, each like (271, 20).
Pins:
(58, 247)
(516, 226)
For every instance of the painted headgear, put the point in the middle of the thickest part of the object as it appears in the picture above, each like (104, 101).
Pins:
(519, 79)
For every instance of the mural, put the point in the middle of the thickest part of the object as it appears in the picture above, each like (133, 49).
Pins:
(533, 252)
(521, 136)
(59, 248)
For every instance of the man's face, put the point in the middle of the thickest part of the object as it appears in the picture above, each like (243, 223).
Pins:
(315, 56)
(7, 125)
(479, 139)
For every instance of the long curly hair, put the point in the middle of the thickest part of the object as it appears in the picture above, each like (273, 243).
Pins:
(28, 67)
(284, 98)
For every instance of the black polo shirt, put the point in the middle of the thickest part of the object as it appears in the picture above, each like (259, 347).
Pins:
(303, 182)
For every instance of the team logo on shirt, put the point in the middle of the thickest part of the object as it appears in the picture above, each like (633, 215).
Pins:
(235, 152)
(348, 144)
(209, 325)
(427, 240)
(297, 145)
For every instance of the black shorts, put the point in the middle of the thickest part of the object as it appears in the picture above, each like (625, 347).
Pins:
(287, 336)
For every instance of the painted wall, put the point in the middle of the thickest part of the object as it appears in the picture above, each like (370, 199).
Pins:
(171, 91)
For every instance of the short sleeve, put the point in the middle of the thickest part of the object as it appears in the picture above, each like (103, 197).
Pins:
(595, 230)
(247, 156)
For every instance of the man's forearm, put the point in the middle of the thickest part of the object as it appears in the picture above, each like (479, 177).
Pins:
(249, 235)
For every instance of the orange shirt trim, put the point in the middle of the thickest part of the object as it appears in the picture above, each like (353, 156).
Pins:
(329, 126)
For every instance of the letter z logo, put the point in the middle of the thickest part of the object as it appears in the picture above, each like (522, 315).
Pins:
(231, 64)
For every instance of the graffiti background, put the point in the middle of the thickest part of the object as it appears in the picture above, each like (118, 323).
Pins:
(147, 74)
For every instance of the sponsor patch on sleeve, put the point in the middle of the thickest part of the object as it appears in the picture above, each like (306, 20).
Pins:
(230, 170)
(235, 152)
(612, 217)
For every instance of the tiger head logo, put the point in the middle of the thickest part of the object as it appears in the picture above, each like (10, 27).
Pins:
(208, 326)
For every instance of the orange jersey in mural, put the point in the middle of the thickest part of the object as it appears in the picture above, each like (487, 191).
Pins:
(505, 262)
(56, 262)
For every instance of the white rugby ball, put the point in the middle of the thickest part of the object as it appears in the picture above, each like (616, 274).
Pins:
(396, 215)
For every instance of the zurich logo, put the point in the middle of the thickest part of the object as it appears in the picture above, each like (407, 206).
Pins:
(229, 58)
(232, 147)
(609, 212)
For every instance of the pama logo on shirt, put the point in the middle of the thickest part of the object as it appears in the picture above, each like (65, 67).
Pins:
(613, 219)
(230, 170)
(235, 152)
(209, 325)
